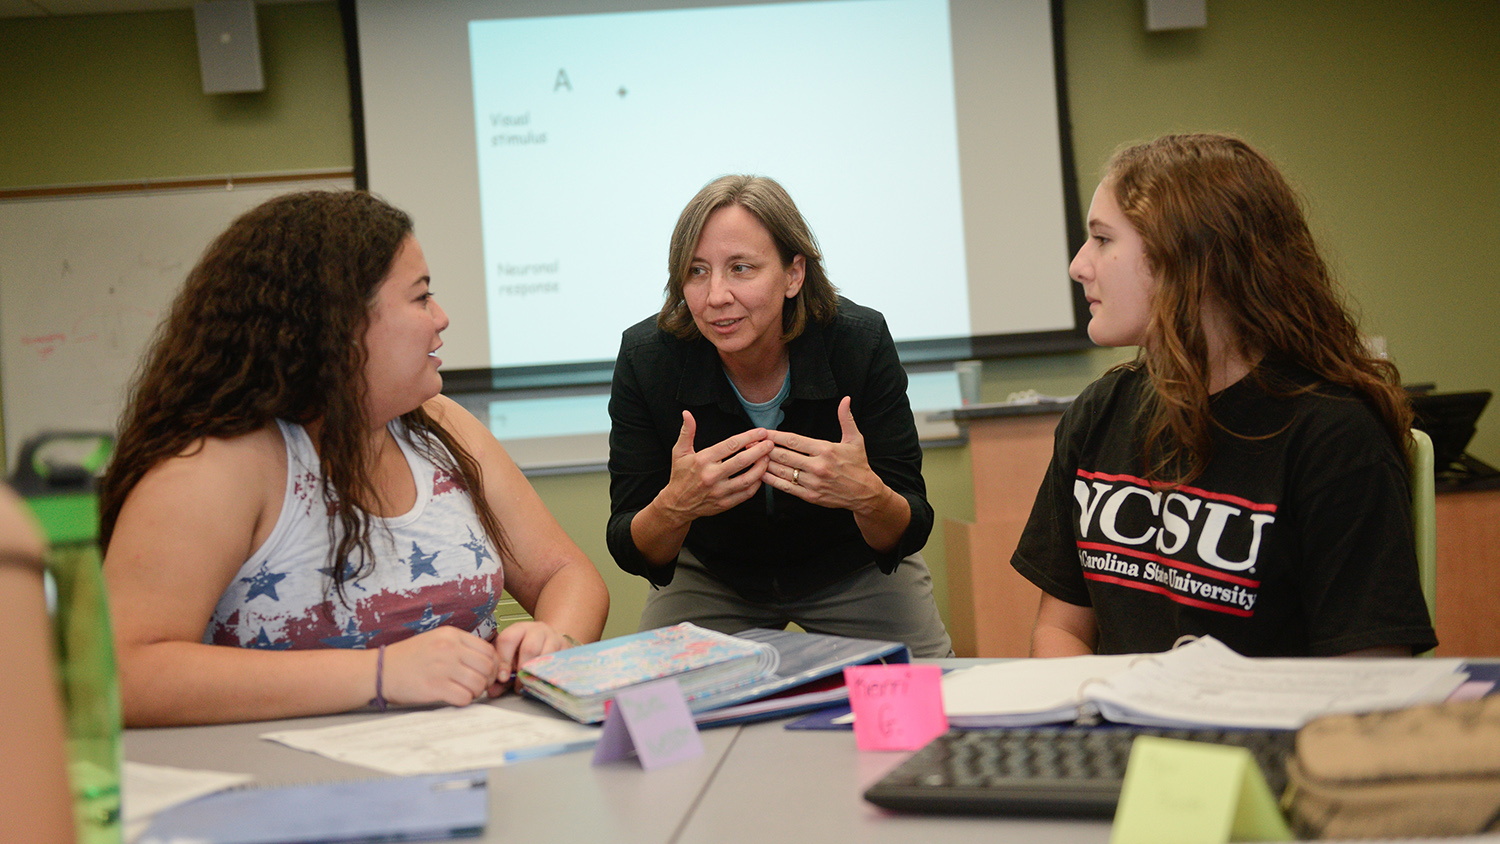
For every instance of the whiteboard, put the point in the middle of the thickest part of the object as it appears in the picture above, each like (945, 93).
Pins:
(84, 280)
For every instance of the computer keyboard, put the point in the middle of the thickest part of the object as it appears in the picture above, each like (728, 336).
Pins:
(1066, 771)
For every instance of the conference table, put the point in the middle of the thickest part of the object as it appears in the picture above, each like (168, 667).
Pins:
(754, 782)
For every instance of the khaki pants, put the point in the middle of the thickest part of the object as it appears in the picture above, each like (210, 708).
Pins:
(897, 607)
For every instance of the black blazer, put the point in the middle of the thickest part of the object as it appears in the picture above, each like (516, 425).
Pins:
(784, 548)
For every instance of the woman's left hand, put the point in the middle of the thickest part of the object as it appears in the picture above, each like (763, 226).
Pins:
(825, 473)
(520, 642)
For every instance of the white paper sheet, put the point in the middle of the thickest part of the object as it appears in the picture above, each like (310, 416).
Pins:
(148, 789)
(440, 740)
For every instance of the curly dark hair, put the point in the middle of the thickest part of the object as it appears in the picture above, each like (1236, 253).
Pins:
(270, 325)
(1219, 223)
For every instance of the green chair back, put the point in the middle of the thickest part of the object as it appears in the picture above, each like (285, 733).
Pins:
(1424, 516)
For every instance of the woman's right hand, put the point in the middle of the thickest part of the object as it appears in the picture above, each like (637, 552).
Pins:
(702, 483)
(442, 665)
(708, 482)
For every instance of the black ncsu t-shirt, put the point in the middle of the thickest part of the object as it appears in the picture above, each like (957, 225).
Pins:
(1296, 540)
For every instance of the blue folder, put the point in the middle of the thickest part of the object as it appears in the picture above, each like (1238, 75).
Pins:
(426, 807)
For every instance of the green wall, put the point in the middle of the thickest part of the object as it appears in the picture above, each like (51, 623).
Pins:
(1384, 112)
(112, 98)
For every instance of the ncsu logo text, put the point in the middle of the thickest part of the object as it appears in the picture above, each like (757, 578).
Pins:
(1222, 531)
(1195, 547)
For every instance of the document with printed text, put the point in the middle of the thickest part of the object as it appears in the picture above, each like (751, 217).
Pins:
(441, 740)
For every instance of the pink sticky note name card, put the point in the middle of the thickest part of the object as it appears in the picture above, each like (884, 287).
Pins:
(896, 707)
(653, 722)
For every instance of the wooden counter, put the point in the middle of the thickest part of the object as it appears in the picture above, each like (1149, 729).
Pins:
(991, 607)
(1468, 573)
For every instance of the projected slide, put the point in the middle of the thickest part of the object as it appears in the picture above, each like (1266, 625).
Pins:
(594, 130)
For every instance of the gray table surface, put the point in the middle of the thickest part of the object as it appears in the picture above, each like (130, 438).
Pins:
(754, 783)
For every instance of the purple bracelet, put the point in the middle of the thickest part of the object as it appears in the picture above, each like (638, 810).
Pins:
(379, 700)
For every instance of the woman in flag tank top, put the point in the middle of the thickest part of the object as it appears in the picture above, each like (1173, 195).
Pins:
(295, 520)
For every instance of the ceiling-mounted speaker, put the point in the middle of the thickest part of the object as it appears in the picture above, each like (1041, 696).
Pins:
(228, 46)
(1176, 14)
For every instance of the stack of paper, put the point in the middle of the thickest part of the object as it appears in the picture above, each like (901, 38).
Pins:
(1208, 684)
(706, 663)
(1203, 683)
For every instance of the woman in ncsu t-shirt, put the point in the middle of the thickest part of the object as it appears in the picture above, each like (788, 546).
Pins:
(1244, 477)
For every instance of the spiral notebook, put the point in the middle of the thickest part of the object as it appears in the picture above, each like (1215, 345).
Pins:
(1200, 684)
(706, 664)
(419, 808)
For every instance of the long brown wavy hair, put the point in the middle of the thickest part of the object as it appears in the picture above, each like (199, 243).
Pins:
(270, 324)
(816, 302)
(1220, 224)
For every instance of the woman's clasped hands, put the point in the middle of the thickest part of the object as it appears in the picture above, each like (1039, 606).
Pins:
(725, 474)
(722, 476)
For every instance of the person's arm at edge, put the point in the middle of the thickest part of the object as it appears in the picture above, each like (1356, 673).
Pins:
(35, 798)
(1370, 503)
(550, 577)
(893, 451)
(658, 532)
(1063, 629)
(884, 521)
(639, 468)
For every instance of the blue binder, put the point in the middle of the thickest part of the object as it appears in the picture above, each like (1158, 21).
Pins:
(425, 807)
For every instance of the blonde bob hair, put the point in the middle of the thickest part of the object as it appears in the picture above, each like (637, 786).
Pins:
(816, 302)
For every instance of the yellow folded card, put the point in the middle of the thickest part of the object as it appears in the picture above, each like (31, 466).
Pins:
(1189, 792)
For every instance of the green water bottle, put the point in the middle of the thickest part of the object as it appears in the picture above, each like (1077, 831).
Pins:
(91, 690)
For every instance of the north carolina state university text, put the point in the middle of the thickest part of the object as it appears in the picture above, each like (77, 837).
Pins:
(1182, 582)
